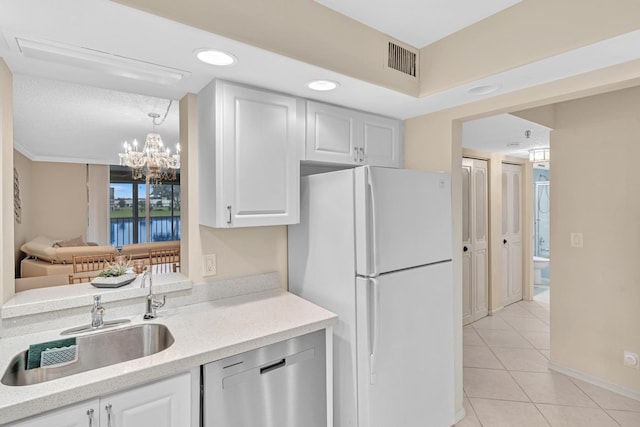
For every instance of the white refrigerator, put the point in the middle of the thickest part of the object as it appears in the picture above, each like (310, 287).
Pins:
(374, 246)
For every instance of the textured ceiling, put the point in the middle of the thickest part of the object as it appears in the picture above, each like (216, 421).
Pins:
(60, 121)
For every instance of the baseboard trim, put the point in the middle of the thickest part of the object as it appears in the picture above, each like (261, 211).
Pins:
(574, 373)
(492, 312)
(460, 415)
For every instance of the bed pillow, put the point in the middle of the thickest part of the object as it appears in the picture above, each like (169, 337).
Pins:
(78, 241)
(41, 247)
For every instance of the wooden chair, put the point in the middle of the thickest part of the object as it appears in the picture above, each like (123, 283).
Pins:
(86, 267)
(164, 260)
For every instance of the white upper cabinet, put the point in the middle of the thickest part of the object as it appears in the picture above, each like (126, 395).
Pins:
(332, 134)
(249, 163)
(343, 136)
(381, 141)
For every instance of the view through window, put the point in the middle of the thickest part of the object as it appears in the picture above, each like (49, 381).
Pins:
(127, 209)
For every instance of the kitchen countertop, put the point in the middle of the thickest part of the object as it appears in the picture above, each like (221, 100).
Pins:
(203, 333)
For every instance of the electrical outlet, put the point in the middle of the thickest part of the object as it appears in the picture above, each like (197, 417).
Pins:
(576, 240)
(631, 359)
(209, 265)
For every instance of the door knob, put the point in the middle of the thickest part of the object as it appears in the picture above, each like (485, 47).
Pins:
(504, 241)
(465, 249)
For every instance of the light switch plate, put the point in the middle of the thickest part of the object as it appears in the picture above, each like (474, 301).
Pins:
(209, 265)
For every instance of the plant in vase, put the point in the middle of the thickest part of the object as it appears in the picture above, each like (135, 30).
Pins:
(115, 269)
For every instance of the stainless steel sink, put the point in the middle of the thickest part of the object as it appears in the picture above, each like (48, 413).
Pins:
(94, 351)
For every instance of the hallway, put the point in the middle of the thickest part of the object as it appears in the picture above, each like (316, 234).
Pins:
(507, 382)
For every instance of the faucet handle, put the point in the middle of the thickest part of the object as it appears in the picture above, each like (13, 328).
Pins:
(159, 304)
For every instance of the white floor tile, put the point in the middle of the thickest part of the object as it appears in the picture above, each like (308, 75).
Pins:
(520, 359)
(503, 338)
(552, 388)
(608, 399)
(491, 322)
(572, 416)
(471, 337)
(626, 418)
(540, 340)
(500, 413)
(524, 324)
(470, 419)
(491, 384)
(515, 310)
(479, 357)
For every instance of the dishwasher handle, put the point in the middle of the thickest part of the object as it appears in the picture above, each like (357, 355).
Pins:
(277, 365)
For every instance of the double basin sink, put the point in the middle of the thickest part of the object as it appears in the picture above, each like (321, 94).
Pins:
(94, 351)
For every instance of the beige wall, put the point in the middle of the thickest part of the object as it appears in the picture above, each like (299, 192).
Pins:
(22, 232)
(595, 310)
(6, 175)
(239, 251)
(59, 199)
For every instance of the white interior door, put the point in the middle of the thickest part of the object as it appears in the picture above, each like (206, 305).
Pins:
(511, 233)
(405, 348)
(475, 226)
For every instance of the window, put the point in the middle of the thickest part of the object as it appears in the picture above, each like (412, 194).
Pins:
(127, 209)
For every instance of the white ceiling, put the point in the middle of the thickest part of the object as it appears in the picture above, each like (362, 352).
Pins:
(418, 22)
(108, 113)
(504, 134)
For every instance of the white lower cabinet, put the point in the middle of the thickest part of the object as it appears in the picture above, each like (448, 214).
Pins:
(164, 403)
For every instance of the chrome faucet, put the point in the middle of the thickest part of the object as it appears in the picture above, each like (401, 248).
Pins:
(152, 304)
(96, 313)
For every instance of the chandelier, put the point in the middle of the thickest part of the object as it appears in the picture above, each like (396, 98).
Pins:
(154, 162)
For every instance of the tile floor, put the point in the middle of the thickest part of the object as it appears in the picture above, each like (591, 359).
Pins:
(507, 383)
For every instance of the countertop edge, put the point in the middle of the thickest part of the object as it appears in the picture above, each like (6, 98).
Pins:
(129, 374)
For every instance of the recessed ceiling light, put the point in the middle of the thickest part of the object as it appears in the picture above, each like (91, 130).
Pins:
(323, 85)
(513, 144)
(482, 90)
(215, 57)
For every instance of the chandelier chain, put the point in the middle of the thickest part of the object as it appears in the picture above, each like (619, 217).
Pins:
(166, 113)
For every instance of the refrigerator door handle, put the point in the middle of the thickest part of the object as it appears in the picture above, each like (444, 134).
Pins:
(372, 227)
(374, 328)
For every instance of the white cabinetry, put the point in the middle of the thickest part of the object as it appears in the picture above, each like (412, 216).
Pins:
(342, 136)
(85, 414)
(165, 403)
(249, 163)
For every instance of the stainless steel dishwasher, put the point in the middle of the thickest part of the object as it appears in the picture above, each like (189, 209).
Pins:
(280, 385)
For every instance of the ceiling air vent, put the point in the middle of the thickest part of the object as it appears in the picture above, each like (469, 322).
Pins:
(402, 59)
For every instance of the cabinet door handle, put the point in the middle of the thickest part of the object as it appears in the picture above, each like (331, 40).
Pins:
(229, 214)
(90, 415)
(361, 154)
(108, 409)
(355, 154)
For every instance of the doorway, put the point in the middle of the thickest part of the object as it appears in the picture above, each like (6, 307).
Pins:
(541, 232)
